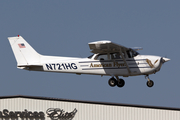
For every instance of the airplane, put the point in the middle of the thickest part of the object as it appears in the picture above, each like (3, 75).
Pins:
(108, 59)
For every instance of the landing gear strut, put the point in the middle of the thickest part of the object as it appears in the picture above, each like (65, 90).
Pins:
(119, 82)
(149, 83)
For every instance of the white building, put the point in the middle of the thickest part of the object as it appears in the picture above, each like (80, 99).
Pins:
(41, 108)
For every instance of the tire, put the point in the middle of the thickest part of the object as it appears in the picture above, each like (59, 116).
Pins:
(120, 83)
(150, 83)
(112, 82)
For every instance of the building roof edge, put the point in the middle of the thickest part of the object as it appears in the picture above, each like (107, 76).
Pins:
(89, 102)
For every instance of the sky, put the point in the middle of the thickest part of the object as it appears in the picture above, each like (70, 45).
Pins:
(65, 27)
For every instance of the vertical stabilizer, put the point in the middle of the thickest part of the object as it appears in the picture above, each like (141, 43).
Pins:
(25, 55)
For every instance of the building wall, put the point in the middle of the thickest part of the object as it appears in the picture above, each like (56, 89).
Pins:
(78, 111)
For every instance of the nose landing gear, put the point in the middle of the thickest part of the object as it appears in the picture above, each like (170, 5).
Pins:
(119, 82)
(149, 83)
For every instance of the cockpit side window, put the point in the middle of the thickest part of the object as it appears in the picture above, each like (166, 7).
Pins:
(135, 53)
(131, 53)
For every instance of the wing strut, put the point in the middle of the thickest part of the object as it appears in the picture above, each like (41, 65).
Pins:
(125, 62)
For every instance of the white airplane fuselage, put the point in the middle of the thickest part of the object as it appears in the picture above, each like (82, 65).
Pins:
(139, 65)
(109, 59)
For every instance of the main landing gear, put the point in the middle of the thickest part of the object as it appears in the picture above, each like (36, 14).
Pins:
(119, 82)
(149, 83)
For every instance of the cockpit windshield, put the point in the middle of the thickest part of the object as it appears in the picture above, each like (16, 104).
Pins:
(131, 53)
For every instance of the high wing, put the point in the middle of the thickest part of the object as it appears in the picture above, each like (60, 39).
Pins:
(106, 47)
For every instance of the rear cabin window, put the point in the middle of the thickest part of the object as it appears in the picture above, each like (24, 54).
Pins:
(115, 56)
(112, 56)
(91, 56)
(102, 57)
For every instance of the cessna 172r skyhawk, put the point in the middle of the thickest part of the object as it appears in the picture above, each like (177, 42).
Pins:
(108, 59)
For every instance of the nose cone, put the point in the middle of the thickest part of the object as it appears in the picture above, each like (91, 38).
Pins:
(165, 59)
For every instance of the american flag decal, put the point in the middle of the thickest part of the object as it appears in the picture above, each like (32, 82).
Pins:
(21, 45)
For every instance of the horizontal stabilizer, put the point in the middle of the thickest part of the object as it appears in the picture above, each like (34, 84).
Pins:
(31, 65)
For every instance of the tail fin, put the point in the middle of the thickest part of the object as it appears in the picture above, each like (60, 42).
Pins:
(25, 55)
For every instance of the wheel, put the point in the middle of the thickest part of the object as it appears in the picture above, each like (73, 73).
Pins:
(150, 83)
(120, 83)
(112, 82)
